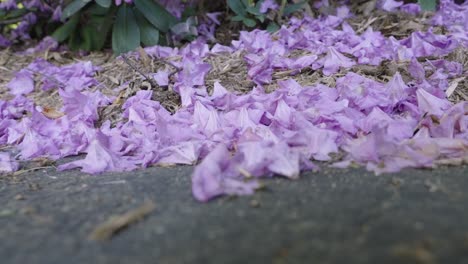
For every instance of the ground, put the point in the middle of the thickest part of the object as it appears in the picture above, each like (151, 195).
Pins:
(335, 216)
(330, 216)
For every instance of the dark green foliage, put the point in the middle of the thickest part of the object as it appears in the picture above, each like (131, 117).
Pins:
(248, 12)
(428, 5)
(89, 24)
(126, 32)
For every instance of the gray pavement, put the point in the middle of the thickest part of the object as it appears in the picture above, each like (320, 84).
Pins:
(334, 216)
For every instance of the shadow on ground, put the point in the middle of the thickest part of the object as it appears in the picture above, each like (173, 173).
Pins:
(334, 216)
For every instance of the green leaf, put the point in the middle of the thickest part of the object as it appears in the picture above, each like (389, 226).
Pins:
(238, 18)
(74, 42)
(247, 2)
(428, 5)
(254, 10)
(237, 7)
(149, 35)
(104, 3)
(96, 30)
(87, 38)
(126, 33)
(249, 22)
(15, 13)
(188, 12)
(97, 10)
(73, 7)
(66, 30)
(291, 8)
(156, 14)
(260, 18)
(272, 27)
(186, 30)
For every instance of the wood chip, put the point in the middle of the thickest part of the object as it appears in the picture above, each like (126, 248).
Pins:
(417, 254)
(115, 224)
(52, 113)
(453, 86)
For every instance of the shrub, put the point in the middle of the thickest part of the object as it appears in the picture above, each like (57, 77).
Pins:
(252, 13)
(89, 24)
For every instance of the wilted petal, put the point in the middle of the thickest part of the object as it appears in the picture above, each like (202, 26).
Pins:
(390, 5)
(214, 176)
(431, 104)
(99, 158)
(411, 8)
(397, 89)
(283, 113)
(182, 153)
(207, 120)
(162, 77)
(375, 118)
(334, 60)
(22, 83)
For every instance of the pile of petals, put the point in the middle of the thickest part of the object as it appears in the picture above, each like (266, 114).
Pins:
(237, 138)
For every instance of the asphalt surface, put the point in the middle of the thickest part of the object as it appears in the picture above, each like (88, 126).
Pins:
(334, 216)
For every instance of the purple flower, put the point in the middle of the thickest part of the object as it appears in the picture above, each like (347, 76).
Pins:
(397, 90)
(183, 153)
(119, 2)
(46, 44)
(82, 106)
(267, 5)
(57, 15)
(193, 73)
(4, 42)
(390, 5)
(216, 176)
(99, 158)
(411, 8)
(334, 60)
(431, 104)
(162, 77)
(22, 83)
(8, 4)
(429, 44)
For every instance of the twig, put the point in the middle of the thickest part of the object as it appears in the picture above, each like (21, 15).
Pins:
(57, 82)
(16, 173)
(367, 24)
(115, 224)
(453, 86)
(151, 81)
(176, 69)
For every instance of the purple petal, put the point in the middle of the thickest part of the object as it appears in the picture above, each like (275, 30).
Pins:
(431, 104)
(22, 83)
(334, 60)
(213, 177)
